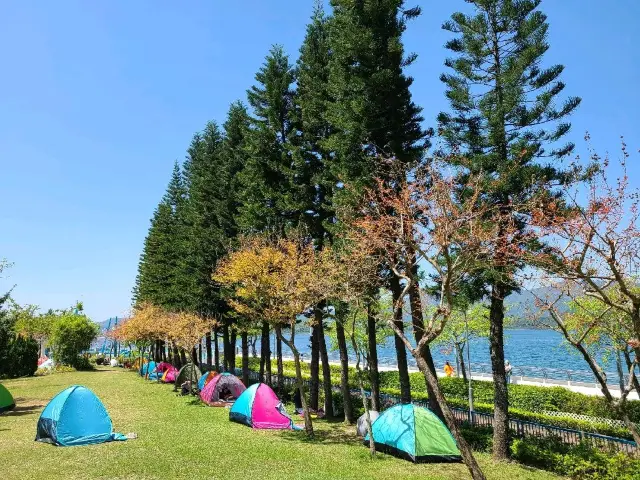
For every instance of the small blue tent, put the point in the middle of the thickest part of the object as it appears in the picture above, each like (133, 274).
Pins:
(147, 368)
(75, 417)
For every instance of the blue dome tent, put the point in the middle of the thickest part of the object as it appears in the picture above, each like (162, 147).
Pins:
(75, 417)
(147, 368)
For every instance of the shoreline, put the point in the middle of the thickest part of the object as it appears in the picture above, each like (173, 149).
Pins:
(587, 388)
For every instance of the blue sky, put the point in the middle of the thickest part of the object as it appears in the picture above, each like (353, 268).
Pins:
(98, 99)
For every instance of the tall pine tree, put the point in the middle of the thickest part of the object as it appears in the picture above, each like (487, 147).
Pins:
(506, 119)
(205, 236)
(371, 111)
(267, 195)
(160, 263)
(313, 182)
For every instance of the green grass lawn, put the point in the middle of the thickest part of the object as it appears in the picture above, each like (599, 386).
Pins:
(179, 438)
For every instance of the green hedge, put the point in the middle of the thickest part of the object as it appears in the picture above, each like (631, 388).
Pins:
(526, 402)
(582, 461)
(523, 397)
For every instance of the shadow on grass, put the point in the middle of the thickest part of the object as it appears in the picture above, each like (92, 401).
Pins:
(326, 432)
(21, 410)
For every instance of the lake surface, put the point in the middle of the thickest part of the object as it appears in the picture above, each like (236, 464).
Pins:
(532, 352)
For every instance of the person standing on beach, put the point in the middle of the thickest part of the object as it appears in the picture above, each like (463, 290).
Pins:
(448, 369)
(507, 369)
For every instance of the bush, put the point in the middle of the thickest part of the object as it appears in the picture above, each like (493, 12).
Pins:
(22, 359)
(526, 402)
(479, 438)
(70, 336)
(100, 361)
(581, 461)
(522, 397)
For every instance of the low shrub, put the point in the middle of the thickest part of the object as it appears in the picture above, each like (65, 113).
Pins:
(526, 402)
(581, 461)
(42, 372)
(479, 438)
(522, 397)
(22, 358)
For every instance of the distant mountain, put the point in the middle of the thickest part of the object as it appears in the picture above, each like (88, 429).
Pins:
(522, 307)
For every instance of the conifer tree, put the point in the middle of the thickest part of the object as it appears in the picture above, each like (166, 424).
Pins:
(205, 237)
(371, 112)
(267, 194)
(506, 119)
(313, 183)
(159, 266)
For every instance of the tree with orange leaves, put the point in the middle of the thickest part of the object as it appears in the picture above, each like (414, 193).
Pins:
(143, 328)
(275, 280)
(593, 258)
(424, 220)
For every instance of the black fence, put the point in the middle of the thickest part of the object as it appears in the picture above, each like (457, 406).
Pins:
(519, 428)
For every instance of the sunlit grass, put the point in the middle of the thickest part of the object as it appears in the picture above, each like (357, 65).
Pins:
(178, 438)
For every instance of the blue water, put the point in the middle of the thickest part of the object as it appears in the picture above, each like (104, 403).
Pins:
(532, 353)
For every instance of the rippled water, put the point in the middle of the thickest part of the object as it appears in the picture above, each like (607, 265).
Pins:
(532, 352)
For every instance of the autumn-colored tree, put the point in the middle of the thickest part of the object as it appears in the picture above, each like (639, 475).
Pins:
(146, 325)
(275, 280)
(347, 275)
(186, 331)
(594, 259)
(449, 233)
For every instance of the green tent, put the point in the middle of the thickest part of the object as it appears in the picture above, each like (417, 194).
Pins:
(6, 400)
(414, 433)
(185, 374)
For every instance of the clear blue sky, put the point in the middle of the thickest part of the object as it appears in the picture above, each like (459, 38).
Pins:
(97, 100)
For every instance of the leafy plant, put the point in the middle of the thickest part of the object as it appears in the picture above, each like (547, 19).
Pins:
(70, 336)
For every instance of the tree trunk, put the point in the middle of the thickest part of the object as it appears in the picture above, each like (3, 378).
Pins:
(620, 371)
(262, 354)
(344, 373)
(200, 353)
(628, 361)
(401, 351)
(462, 366)
(232, 350)
(265, 361)
(216, 351)
(314, 369)
(245, 358)
(252, 342)
(208, 346)
(463, 446)
(183, 357)
(194, 356)
(176, 357)
(308, 425)
(326, 372)
(278, 330)
(374, 376)
(225, 346)
(501, 394)
(417, 321)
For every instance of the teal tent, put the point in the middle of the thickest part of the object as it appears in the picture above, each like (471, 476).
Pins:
(75, 417)
(414, 433)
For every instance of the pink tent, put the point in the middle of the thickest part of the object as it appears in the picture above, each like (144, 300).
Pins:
(260, 407)
(163, 367)
(170, 375)
(225, 381)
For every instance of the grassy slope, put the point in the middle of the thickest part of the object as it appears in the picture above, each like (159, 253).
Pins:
(178, 438)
